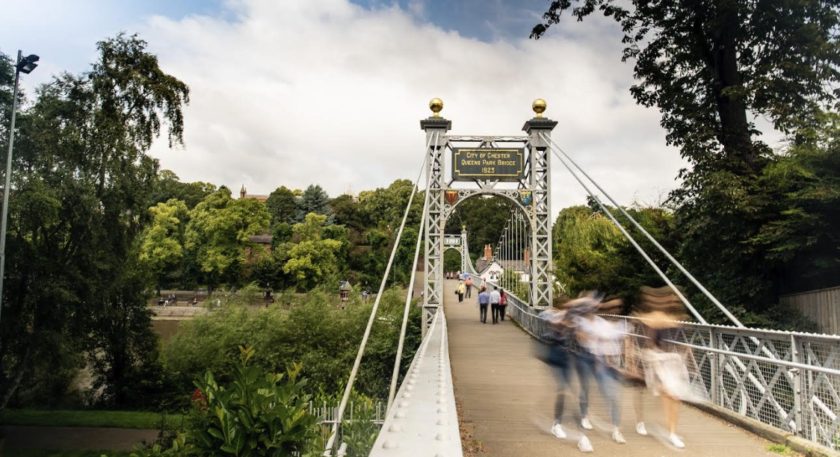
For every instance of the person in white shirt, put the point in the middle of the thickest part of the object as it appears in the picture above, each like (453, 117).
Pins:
(495, 298)
(600, 342)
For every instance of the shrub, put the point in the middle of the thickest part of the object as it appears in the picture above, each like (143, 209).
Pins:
(313, 331)
(258, 413)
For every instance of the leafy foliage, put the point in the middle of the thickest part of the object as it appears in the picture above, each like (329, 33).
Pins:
(484, 218)
(257, 413)
(83, 187)
(282, 206)
(705, 64)
(162, 245)
(218, 231)
(750, 221)
(310, 329)
(592, 254)
(314, 200)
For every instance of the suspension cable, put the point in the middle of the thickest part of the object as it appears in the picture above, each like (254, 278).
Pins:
(634, 243)
(349, 387)
(668, 255)
(398, 358)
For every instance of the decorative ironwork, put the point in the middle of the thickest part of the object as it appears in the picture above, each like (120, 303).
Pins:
(526, 197)
(451, 196)
(785, 379)
(530, 193)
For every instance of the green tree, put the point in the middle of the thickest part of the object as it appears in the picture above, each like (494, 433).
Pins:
(82, 185)
(709, 66)
(706, 64)
(282, 206)
(307, 328)
(451, 260)
(346, 211)
(218, 234)
(385, 207)
(484, 218)
(169, 186)
(314, 200)
(592, 254)
(803, 188)
(311, 257)
(162, 243)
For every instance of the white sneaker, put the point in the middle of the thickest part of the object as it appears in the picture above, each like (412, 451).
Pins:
(676, 441)
(557, 430)
(584, 445)
(585, 423)
(640, 429)
(618, 437)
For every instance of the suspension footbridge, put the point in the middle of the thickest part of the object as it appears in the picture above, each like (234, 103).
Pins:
(481, 379)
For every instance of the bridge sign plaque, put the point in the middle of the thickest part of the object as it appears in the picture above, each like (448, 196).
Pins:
(452, 241)
(469, 164)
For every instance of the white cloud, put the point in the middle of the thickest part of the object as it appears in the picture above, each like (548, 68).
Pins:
(299, 92)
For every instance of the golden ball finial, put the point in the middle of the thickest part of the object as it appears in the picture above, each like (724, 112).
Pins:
(436, 105)
(538, 106)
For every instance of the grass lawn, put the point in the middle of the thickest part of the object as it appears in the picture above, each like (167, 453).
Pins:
(87, 418)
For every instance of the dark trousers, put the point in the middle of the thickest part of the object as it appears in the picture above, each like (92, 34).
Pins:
(482, 312)
(502, 309)
(562, 370)
(495, 311)
(460, 297)
(469, 291)
(588, 367)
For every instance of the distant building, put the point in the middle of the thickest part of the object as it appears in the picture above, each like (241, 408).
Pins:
(260, 247)
(243, 193)
(492, 272)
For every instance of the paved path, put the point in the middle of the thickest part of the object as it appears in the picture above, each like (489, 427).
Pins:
(72, 438)
(506, 397)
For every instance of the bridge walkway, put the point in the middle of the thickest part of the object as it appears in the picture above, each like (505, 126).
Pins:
(506, 400)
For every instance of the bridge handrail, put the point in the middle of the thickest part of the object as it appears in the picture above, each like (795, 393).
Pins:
(797, 390)
(423, 419)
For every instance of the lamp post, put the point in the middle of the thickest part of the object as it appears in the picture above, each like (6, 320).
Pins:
(22, 65)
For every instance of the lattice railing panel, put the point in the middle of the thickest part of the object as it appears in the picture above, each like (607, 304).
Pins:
(788, 380)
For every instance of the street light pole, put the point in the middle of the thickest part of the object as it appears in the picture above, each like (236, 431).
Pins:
(21, 65)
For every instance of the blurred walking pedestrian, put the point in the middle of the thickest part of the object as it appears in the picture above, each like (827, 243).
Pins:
(600, 344)
(460, 291)
(558, 356)
(665, 370)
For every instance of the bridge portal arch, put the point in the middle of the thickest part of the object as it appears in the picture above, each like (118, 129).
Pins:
(517, 168)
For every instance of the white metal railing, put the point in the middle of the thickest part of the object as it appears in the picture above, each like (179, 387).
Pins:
(423, 419)
(789, 380)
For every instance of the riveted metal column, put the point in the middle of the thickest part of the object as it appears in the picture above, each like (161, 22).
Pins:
(539, 129)
(714, 369)
(796, 374)
(436, 128)
(465, 252)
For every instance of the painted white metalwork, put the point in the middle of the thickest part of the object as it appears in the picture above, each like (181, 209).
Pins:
(348, 388)
(435, 219)
(535, 185)
(540, 185)
(796, 388)
(423, 420)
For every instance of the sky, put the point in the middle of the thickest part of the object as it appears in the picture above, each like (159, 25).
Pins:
(330, 92)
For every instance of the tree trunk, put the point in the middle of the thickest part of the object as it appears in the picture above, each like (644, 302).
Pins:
(18, 377)
(734, 132)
